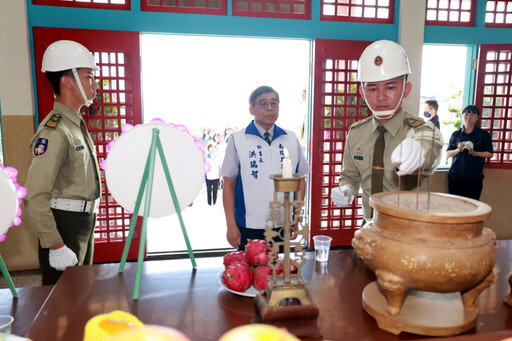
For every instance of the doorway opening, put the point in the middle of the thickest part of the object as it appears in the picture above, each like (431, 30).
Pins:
(444, 78)
(204, 83)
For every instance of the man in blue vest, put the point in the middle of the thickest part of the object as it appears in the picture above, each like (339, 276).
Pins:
(252, 155)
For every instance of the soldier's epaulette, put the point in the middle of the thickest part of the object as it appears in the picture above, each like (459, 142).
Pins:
(358, 123)
(413, 122)
(53, 121)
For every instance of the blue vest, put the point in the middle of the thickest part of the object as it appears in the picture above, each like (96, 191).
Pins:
(254, 189)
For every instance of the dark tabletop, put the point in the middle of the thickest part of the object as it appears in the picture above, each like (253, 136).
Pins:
(23, 308)
(191, 300)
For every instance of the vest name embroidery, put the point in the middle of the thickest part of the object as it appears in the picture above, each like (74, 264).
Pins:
(256, 159)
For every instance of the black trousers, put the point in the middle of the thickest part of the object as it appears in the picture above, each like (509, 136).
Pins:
(467, 188)
(211, 190)
(248, 234)
(77, 232)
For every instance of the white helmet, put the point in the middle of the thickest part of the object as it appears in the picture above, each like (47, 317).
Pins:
(382, 60)
(69, 55)
(66, 55)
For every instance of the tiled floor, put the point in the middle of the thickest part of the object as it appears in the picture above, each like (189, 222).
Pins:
(25, 278)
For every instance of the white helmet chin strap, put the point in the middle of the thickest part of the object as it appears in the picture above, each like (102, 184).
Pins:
(87, 102)
(385, 114)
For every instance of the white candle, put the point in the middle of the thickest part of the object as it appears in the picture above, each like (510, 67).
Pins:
(287, 165)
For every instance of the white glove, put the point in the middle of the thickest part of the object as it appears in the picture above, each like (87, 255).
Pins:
(342, 196)
(61, 258)
(408, 156)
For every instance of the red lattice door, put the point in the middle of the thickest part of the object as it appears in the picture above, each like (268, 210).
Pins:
(118, 102)
(494, 98)
(451, 13)
(336, 105)
(289, 9)
(103, 4)
(367, 11)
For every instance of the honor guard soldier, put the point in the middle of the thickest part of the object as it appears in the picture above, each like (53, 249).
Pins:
(63, 180)
(391, 142)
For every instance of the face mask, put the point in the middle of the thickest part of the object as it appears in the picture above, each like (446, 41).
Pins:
(426, 114)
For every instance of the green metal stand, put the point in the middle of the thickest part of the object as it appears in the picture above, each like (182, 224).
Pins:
(5, 272)
(147, 185)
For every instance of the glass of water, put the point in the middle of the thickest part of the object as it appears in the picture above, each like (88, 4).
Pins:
(6, 324)
(322, 245)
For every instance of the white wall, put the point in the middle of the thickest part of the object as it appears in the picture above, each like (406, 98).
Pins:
(19, 250)
(16, 94)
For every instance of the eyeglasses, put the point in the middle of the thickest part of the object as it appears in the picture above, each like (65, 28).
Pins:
(264, 103)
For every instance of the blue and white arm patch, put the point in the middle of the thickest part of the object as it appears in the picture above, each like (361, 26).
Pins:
(41, 146)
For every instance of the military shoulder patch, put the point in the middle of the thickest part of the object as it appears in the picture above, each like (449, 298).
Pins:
(363, 121)
(53, 121)
(413, 122)
(41, 146)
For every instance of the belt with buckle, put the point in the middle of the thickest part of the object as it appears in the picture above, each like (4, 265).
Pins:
(74, 205)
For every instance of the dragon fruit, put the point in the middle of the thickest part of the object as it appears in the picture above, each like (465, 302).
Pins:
(261, 277)
(235, 257)
(256, 252)
(245, 265)
(280, 268)
(237, 277)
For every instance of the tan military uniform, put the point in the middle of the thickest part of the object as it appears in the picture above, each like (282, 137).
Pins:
(62, 167)
(358, 155)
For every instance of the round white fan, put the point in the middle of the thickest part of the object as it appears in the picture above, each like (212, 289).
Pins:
(127, 159)
(8, 202)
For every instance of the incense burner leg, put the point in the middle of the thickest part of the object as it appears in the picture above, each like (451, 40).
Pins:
(508, 299)
(395, 290)
(469, 297)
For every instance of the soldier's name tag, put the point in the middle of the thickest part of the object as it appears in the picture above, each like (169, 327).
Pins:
(78, 145)
(358, 157)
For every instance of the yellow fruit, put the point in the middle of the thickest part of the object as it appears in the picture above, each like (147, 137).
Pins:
(112, 326)
(258, 332)
(100, 327)
(149, 333)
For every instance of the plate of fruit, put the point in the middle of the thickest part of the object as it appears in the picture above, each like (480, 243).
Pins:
(250, 292)
(246, 273)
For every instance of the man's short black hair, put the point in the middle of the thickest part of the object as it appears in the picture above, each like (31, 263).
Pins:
(260, 91)
(472, 109)
(54, 79)
(433, 104)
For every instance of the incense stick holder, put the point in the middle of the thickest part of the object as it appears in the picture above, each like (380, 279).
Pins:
(438, 246)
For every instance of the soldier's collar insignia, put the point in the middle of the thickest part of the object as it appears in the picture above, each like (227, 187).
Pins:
(413, 122)
(358, 123)
(53, 121)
